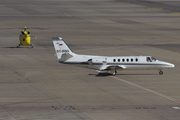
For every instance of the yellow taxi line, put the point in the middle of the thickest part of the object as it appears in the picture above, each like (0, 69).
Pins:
(155, 8)
(174, 12)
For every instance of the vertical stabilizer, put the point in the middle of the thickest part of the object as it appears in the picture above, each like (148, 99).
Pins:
(62, 50)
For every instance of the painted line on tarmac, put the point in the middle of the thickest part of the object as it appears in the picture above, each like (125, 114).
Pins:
(174, 12)
(177, 108)
(155, 8)
(122, 2)
(146, 89)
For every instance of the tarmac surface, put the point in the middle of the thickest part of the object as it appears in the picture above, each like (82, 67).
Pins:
(34, 86)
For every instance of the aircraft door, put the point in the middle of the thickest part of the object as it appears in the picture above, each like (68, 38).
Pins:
(104, 61)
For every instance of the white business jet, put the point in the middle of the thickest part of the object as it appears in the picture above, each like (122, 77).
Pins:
(105, 63)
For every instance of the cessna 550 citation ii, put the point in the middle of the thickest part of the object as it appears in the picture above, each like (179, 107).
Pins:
(105, 63)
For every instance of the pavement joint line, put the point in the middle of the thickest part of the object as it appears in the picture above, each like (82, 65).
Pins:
(21, 59)
(146, 89)
(32, 101)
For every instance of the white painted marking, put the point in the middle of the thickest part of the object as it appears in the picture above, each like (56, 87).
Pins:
(146, 89)
(176, 108)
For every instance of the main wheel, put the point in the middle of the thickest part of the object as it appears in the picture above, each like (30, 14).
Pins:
(114, 74)
(160, 72)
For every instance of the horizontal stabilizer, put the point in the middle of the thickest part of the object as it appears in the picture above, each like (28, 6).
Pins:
(65, 57)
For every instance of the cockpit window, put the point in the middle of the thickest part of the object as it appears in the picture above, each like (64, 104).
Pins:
(153, 59)
(150, 59)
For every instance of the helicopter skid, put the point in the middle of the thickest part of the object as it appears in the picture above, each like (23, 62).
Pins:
(19, 45)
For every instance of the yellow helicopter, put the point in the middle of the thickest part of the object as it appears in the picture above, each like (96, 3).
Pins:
(25, 38)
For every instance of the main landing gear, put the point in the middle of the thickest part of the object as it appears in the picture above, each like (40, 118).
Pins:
(18, 45)
(25, 45)
(160, 72)
(113, 72)
(31, 45)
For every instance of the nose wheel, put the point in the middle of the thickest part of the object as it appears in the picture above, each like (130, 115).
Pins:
(18, 46)
(160, 72)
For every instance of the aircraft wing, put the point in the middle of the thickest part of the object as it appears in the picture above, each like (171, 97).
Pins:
(118, 67)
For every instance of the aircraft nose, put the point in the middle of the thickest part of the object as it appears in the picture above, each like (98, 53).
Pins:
(171, 65)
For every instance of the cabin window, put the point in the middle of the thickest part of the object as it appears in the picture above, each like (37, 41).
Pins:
(131, 60)
(119, 60)
(136, 60)
(123, 60)
(114, 60)
(127, 60)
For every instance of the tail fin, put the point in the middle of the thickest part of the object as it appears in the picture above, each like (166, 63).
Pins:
(62, 50)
